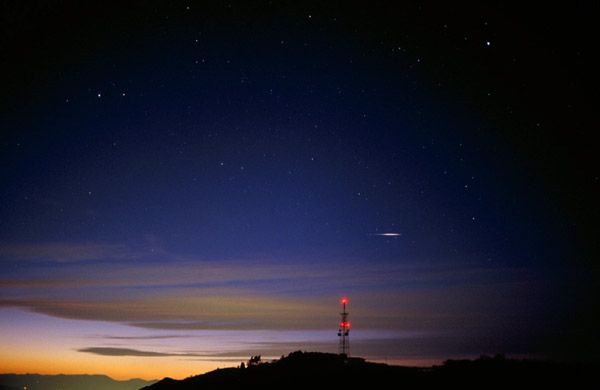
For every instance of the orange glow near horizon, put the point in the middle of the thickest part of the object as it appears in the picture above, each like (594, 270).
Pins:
(38, 344)
(119, 368)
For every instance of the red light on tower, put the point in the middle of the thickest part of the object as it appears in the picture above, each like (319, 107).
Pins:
(344, 300)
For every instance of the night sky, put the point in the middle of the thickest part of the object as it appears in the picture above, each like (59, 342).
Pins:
(184, 184)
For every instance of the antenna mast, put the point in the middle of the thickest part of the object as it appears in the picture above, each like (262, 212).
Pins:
(344, 330)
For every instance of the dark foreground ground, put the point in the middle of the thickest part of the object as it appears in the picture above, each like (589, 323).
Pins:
(318, 370)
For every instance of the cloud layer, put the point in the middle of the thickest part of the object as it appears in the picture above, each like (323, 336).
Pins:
(180, 294)
(110, 351)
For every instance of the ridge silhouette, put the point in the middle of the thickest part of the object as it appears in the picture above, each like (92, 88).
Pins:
(314, 369)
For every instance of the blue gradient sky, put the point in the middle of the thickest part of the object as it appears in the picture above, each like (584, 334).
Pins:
(186, 185)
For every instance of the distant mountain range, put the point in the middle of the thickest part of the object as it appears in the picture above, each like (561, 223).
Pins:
(312, 370)
(67, 382)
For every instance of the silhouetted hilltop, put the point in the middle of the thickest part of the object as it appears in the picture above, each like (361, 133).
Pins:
(67, 382)
(319, 370)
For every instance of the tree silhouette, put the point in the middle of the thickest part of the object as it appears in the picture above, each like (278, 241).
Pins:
(254, 361)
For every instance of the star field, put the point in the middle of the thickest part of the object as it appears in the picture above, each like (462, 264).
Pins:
(434, 163)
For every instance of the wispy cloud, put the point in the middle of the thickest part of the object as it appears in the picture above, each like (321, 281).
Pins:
(179, 310)
(111, 351)
(203, 309)
(95, 265)
(152, 337)
(185, 293)
(217, 356)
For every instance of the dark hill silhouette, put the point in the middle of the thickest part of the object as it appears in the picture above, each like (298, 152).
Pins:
(320, 370)
(67, 382)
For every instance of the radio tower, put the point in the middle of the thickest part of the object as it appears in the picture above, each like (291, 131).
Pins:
(344, 330)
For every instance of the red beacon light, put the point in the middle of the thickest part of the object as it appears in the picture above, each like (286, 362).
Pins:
(344, 300)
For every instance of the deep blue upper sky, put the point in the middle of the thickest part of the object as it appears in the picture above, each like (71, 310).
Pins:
(298, 133)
